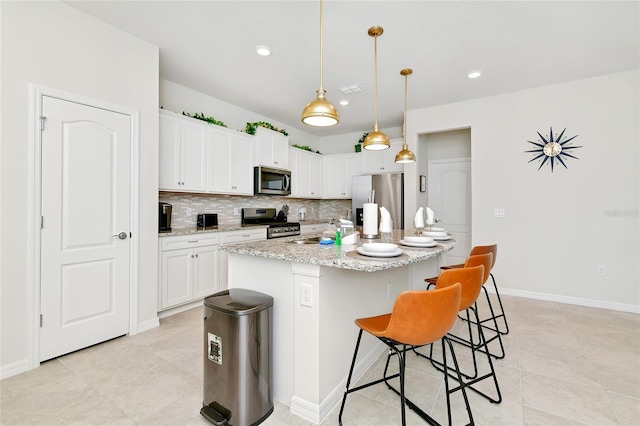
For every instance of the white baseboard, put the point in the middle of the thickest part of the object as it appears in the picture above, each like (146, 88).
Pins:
(623, 307)
(181, 308)
(318, 413)
(148, 325)
(14, 368)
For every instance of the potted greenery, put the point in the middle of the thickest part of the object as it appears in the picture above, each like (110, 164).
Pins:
(358, 146)
(202, 117)
(250, 128)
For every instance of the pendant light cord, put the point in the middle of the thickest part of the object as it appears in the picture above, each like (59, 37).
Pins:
(375, 68)
(321, 67)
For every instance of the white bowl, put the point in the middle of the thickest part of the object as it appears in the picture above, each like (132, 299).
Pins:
(417, 239)
(380, 247)
(434, 229)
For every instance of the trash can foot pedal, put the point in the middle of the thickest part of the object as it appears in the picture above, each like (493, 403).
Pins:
(216, 414)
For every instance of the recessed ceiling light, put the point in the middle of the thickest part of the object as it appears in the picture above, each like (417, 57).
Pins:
(344, 102)
(263, 50)
(474, 74)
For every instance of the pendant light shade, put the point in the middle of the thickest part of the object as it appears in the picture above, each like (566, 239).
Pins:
(376, 140)
(405, 155)
(320, 112)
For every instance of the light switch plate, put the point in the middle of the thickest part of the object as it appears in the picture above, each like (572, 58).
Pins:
(498, 212)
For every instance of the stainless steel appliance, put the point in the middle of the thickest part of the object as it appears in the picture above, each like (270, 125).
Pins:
(271, 181)
(389, 192)
(277, 225)
(164, 216)
(238, 376)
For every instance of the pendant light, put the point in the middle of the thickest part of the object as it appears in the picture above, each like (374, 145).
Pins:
(405, 155)
(376, 140)
(320, 112)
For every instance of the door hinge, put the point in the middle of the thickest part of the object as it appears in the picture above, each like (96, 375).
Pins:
(41, 222)
(40, 320)
(42, 118)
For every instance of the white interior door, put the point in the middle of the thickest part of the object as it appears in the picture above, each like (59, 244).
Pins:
(86, 173)
(450, 198)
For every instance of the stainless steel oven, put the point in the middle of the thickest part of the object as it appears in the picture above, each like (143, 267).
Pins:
(275, 228)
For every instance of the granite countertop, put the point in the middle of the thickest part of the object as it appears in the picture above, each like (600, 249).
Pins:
(187, 230)
(336, 257)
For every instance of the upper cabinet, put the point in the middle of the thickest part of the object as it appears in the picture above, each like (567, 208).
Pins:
(382, 161)
(338, 173)
(183, 152)
(229, 162)
(271, 149)
(306, 173)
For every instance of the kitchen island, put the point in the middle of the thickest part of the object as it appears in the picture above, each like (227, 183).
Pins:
(318, 292)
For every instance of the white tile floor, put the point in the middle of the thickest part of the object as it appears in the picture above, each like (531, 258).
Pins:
(565, 365)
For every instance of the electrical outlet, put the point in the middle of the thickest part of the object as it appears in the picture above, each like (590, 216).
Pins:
(306, 295)
(601, 270)
(236, 211)
(498, 212)
(188, 211)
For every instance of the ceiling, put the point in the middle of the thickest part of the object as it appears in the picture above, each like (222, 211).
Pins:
(209, 46)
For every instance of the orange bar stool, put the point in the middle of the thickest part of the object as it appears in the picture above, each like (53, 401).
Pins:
(493, 318)
(471, 277)
(418, 318)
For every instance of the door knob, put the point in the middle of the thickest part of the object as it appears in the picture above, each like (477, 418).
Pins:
(122, 235)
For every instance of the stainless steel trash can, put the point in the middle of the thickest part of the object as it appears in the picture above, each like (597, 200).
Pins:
(237, 363)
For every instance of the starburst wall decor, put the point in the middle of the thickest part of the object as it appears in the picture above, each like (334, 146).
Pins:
(551, 149)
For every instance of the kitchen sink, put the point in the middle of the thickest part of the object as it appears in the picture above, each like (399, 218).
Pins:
(314, 240)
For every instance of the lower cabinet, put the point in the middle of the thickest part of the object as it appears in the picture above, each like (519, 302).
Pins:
(189, 266)
(315, 228)
(231, 237)
(192, 267)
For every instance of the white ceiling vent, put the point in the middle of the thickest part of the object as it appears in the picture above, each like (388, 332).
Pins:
(354, 88)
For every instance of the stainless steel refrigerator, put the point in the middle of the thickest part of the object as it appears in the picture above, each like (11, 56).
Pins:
(389, 192)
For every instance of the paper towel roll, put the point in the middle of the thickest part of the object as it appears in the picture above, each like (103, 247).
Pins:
(370, 219)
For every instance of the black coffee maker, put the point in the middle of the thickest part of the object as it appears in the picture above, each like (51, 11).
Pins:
(164, 217)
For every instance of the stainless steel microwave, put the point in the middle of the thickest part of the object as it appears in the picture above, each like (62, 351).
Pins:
(271, 181)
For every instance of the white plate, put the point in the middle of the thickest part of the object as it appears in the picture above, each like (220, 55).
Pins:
(363, 252)
(414, 244)
(380, 247)
(445, 238)
(418, 240)
(434, 234)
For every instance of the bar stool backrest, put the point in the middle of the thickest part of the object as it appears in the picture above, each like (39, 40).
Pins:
(493, 249)
(421, 317)
(470, 278)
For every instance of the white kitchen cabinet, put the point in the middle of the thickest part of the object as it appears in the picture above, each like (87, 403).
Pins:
(229, 162)
(231, 237)
(183, 153)
(271, 148)
(312, 228)
(189, 268)
(382, 161)
(338, 173)
(306, 173)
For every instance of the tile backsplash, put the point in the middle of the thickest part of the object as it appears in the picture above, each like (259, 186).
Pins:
(186, 207)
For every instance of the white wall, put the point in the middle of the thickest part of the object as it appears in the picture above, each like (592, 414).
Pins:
(558, 226)
(55, 46)
(177, 98)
